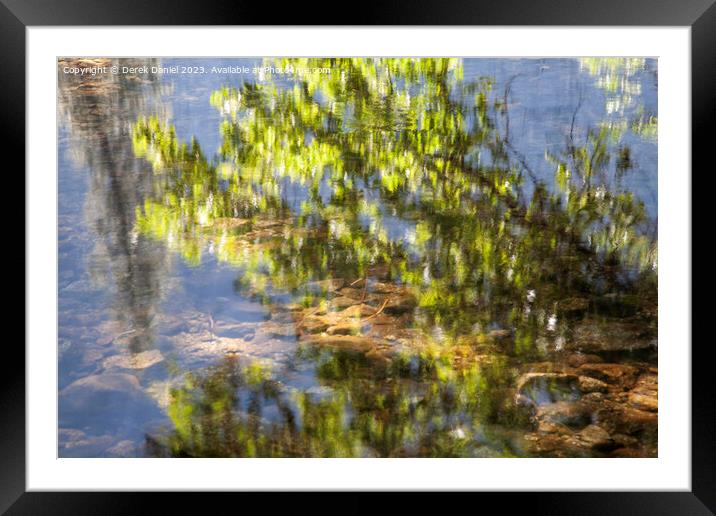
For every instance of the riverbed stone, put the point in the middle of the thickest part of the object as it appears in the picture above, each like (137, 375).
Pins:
(611, 335)
(542, 388)
(73, 442)
(588, 384)
(571, 414)
(595, 437)
(142, 360)
(622, 375)
(644, 402)
(343, 342)
(573, 305)
(355, 312)
(123, 449)
(360, 294)
(645, 396)
(312, 325)
(327, 285)
(341, 302)
(102, 398)
(344, 328)
(399, 304)
(578, 359)
(278, 329)
(550, 427)
(624, 419)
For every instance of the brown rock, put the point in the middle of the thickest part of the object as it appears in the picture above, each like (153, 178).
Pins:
(400, 304)
(595, 437)
(624, 440)
(593, 397)
(644, 402)
(543, 443)
(355, 311)
(353, 293)
(384, 288)
(549, 427)
(577, 359)
(623, 419)
(628, 453)
(347, 328)
(313, 325)
(571, 414)
(587, 384)
(359, 294)
(610, 335)
(615, 374)
(343, 342)
(342, 302)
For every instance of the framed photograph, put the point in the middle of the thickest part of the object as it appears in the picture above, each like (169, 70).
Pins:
(445, 257)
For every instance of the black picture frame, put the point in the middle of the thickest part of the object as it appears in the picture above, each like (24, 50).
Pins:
(700, 15)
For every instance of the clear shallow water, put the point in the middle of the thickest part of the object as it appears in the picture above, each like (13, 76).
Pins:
(396, 258)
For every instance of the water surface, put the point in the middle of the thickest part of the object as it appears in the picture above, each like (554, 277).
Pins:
(359, 257)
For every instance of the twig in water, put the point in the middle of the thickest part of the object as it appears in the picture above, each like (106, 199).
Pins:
(128, 332)
(316, 309)
(365, 291)
(379, 309)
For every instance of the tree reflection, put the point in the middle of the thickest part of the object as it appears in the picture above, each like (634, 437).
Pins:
(97, 110)
(400, 169)
(393, 174)
(426, 408)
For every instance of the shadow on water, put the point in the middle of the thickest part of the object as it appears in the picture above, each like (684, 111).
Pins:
(420, 286)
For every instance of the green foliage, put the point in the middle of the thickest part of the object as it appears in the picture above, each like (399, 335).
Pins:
(429, 409)
(374, 142)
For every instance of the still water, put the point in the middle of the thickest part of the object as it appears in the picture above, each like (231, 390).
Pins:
(358, 257)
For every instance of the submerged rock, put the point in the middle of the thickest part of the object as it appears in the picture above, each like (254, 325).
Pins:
(312, 325)
(103, 398)
(327, 285)
(573, 305)
(342, 302)
(355, 312)
(596, 437)
(275, 329)
(360, 294)
(346, 328)
(644, 396)
(619, 375)
(543, 388)
(577, 359)
(76, 443)
(623, 419)
(587, 384)
(123, 449)
(142, 360)
(344, 342)
(610, 335)
(399, 304)
(643, 402)
(570, 414)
